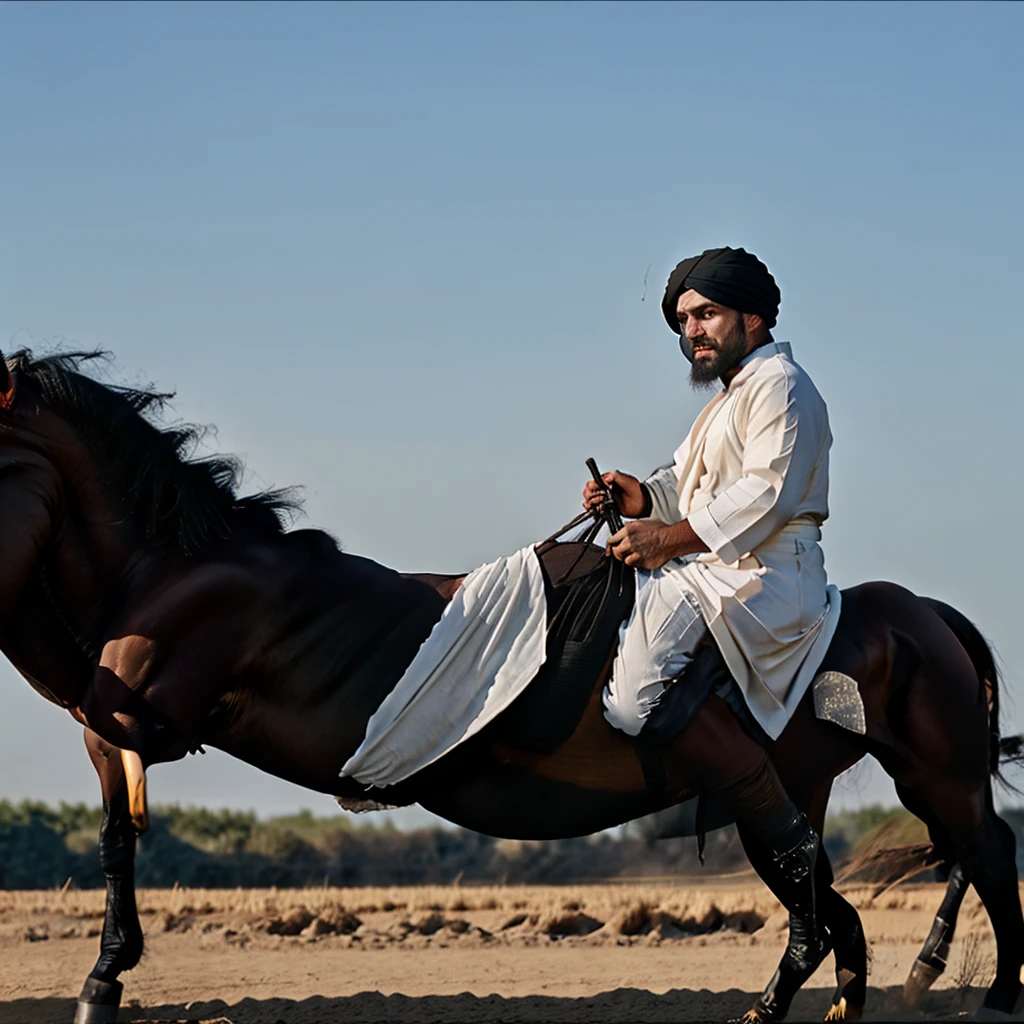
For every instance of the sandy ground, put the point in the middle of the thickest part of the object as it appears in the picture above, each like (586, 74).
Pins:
(629, 953)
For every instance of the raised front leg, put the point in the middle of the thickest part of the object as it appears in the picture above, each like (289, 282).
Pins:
(117, 707)
(121, 943)
(169, 659)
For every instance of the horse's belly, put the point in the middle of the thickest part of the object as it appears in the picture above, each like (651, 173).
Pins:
(596, 756)
(592, 782)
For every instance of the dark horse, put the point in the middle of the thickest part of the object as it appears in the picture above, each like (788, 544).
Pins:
(139, 592)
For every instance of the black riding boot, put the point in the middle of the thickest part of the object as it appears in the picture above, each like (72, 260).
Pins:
(793, 882)
(790, 875)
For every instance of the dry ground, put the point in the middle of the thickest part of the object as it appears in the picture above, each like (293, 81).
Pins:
(602, 953)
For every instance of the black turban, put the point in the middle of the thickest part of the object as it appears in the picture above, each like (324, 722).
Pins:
(731, 277)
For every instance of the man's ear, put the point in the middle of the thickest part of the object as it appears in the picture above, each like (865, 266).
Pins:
(757, 330)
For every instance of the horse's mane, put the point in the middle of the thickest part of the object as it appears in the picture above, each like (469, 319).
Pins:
(179, 502)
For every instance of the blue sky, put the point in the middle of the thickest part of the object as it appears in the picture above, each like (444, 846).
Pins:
(410, 256)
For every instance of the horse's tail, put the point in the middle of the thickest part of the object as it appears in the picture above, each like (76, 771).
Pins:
(1002, 749)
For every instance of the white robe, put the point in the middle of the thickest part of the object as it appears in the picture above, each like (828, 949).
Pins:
(751, 478)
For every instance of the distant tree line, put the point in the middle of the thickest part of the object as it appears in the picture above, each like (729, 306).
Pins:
(42, 847)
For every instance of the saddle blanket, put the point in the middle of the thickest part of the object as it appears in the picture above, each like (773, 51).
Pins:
(481, 655)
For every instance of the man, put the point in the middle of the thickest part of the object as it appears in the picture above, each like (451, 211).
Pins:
(726, 543)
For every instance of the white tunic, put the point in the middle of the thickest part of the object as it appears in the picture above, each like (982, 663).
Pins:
(752, 480)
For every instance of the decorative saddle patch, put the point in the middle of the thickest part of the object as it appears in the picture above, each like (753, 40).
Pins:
(837, 699)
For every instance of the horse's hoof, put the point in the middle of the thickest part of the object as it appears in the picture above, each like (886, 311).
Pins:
(99, 1002)
(842, 1010)
(95, 1013)
(757, 1014)
(843, 1007)
(920, 979)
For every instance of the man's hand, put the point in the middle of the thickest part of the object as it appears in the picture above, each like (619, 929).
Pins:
(640, 544)
(626, 490)
(649, 543)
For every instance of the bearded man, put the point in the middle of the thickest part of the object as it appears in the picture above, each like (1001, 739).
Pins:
(726, 543)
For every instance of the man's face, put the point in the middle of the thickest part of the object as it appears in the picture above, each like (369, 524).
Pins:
(713, 337)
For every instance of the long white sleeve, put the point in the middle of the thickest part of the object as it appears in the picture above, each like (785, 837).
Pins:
(662, 485)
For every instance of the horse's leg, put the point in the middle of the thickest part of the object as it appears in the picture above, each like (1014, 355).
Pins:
(940, 746)
(851, 951)
(931, 961)
(844, 925)
(985, 848)
(988, 854)
(121, 943)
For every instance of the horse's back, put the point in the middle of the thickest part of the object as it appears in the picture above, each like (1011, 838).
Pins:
(878, 618)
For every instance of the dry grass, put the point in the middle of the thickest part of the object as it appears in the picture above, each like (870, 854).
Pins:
(417, 915)
(975, 967)
(519, 913)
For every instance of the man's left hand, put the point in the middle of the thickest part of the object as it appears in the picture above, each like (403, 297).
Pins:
(643, 544)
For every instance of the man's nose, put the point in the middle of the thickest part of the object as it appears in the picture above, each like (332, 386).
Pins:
(694, 328)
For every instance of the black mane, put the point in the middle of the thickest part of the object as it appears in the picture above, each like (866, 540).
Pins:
(178, 502)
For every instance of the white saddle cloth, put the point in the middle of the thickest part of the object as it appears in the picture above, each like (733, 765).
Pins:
(487, 646)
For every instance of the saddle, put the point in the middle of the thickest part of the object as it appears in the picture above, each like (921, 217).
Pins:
(589, 596)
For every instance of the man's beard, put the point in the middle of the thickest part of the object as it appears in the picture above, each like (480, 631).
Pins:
(728, 354)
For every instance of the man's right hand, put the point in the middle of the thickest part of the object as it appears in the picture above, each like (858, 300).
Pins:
(626, 490)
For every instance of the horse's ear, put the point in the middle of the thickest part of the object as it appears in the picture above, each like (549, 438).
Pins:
(5, 383)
